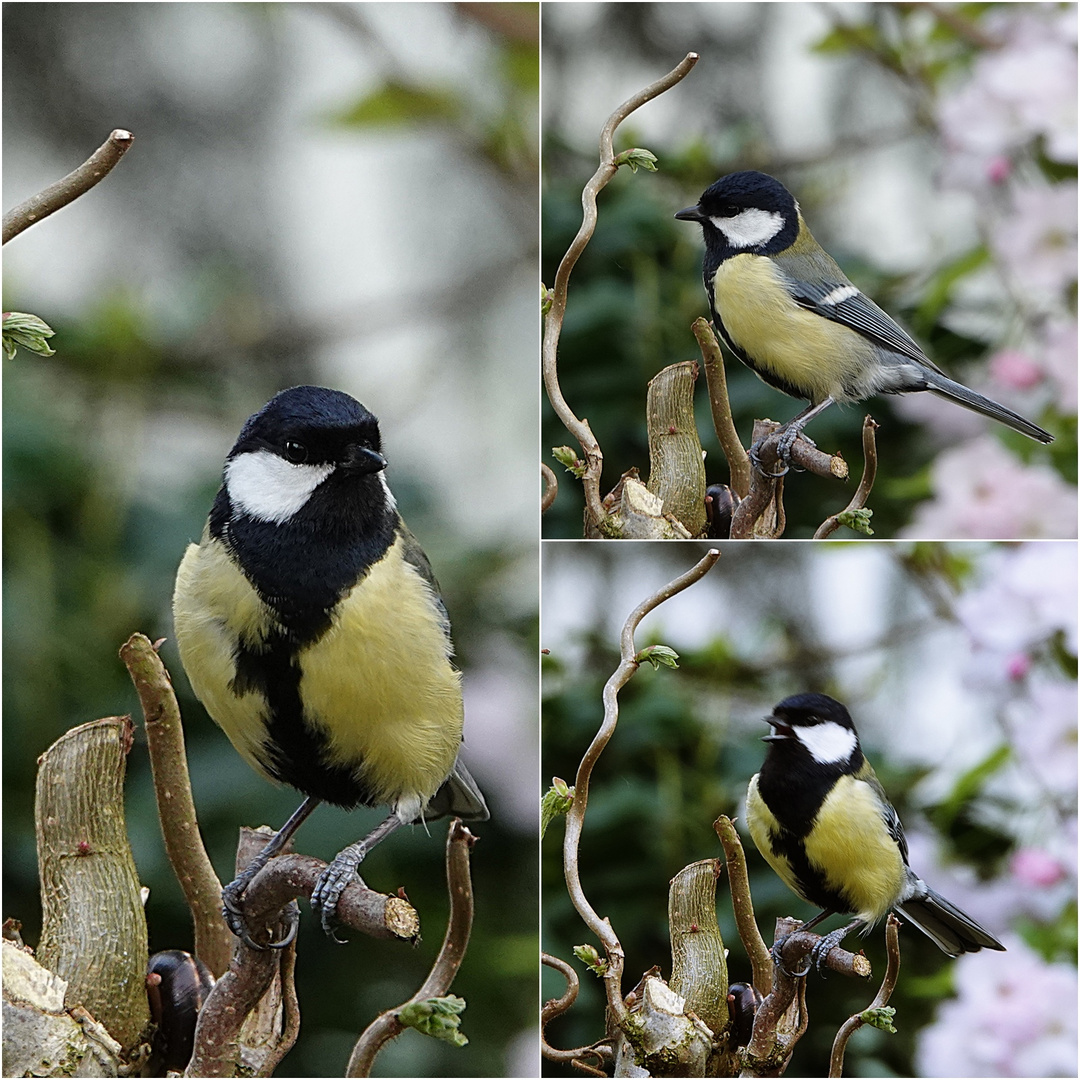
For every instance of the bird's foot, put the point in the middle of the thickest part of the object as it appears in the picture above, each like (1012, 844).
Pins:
(754, 454)
(819, 954)
(332, 882)
(789, 434)
(778, 959)
(232, 899)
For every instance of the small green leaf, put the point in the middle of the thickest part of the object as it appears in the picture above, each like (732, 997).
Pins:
(637, 158)
(881, 1018)
(588, 955)
(857, 520)
(438, 1017)
(657, 655)
(557, 801)
(28, 331)
(565, 456)
(547, 298)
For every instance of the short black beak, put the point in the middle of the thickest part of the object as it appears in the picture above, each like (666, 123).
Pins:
(362, 461)
(691, 213)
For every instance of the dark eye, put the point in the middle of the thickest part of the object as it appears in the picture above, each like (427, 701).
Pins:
(296, 452)
(729, 211)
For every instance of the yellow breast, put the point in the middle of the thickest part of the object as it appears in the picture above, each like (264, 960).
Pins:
(378, 685)
(815, 354)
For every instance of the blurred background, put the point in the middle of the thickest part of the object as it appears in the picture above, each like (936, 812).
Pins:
(343, 194)
(958, 665)
(933, 151)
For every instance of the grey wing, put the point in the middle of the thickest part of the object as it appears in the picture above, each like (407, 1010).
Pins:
(843, 303)
(459, 795)
(891, 818)
(414, 555)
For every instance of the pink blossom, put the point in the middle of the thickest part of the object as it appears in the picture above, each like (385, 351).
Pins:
(1035, 867)
(1036, 243)
(983, 492)
(1014, 1015)
(1015, 369)
(1017, 666)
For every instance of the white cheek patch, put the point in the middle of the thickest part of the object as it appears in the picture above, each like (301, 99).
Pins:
(828, 743)
(839, 295)
(750, 228)
(268, 487)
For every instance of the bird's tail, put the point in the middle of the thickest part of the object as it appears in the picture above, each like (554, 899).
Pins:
(945, 387)
(459, 796)
(945, 924)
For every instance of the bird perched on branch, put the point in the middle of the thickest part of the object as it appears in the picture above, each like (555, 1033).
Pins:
(821, 819)
(311, 627)
(787, 311)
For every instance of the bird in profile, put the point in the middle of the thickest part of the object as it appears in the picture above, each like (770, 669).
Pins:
(786, 310)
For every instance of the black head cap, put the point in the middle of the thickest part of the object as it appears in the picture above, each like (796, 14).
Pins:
(806, 710)
(311, 425)
(742, 191)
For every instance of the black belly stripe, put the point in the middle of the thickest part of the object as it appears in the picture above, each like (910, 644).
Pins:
(812, 886)
(301, 571)
(293, 752)
(794, 789)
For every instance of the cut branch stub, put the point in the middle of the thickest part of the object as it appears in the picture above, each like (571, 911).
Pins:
(93, 930)
(676, 468)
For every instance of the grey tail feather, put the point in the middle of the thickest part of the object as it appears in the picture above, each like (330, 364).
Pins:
(954, 391)
(946, 925)
(459, 796)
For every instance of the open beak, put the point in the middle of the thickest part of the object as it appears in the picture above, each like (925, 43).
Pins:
(780, 731)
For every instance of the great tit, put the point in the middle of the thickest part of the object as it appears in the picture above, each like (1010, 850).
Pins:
(821, 819)
(311, 627)
(787, 311)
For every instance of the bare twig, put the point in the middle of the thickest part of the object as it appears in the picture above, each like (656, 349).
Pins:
(607, 168)
(881, 999)
(723, 424)
(575, 818)
(290, 1008)
(93, 933)
(551, 487)
(58, 195)
(699, 972)
(223, 1036)
(556, 1007)
(176, 807)
(383, 1028)
(866, 484)
(743, 905)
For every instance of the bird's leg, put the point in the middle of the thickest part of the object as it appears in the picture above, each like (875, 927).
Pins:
(334, 879)
(778, 947)
(232, 896)
(788, 434)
